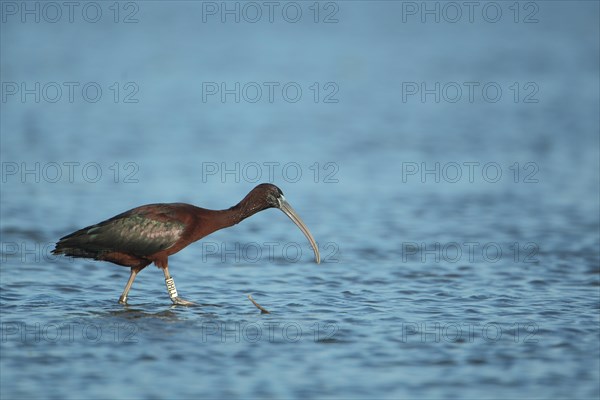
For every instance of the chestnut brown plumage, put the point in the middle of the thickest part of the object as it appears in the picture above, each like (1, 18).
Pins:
(151, 233)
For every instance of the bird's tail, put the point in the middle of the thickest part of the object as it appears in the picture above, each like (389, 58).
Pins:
(78, 244)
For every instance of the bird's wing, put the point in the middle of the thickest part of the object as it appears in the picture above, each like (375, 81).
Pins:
(135, 232)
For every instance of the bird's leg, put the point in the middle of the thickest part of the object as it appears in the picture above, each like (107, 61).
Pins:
(123, 298)
(172, 290)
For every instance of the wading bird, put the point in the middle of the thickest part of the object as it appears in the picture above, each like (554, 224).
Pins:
(151, 233)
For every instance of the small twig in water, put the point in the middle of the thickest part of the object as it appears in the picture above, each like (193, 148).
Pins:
(261, 308)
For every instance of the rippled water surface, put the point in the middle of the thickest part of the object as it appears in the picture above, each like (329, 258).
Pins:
(478, 285)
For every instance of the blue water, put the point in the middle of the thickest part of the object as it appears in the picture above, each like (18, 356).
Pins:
(460, 239)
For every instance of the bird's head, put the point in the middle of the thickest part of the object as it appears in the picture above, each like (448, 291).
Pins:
(266, 196)
(270, 194)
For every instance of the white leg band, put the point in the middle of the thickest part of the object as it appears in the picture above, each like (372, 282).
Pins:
(171, 288)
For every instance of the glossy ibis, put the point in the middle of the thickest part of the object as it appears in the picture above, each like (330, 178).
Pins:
(151, 233)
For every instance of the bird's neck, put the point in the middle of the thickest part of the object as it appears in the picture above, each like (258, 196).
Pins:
(208, 221)
(239, 212)
(213, 220)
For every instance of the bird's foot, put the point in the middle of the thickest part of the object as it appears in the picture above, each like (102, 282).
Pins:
(181, 302)
(123, 300)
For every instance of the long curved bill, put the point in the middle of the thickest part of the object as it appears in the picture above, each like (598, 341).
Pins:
(289, 211)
